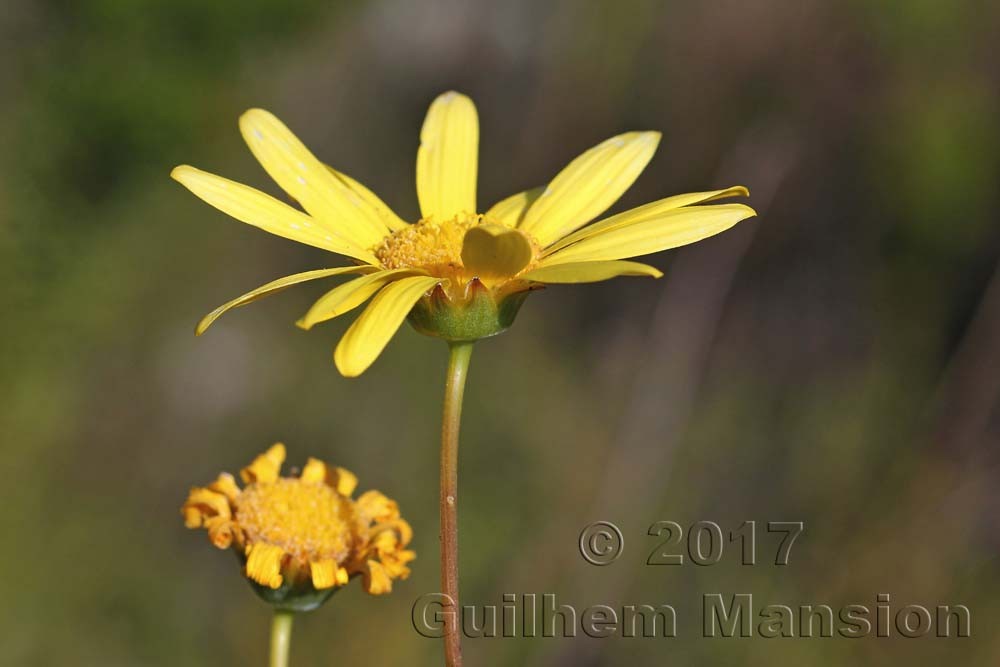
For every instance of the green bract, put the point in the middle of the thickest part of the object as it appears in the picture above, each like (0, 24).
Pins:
(479, 313)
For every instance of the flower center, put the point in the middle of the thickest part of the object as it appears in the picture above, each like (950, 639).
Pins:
(306, 519)
(428, 244)
(436, 247)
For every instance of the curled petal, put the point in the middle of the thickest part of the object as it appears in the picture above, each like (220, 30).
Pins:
(314, 471)
(343, 481)
(375, 578)
(266, 467)
(264, 564)
(324, 573)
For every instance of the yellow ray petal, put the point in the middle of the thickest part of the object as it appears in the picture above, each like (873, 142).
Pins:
(374, 505)
(368, 336)
(327, 198)
(350, 295)
(220, 531)
(203, 504)
(313, 471)
(495, 251)
(342, 480)
(264, 211)
(266, 468)
(588, 185)
(274, 287)
(589, 272)
(264, 564)
(646, 212)
(375, 579)
(226, 485)
(448, 157)
(324, 573)
(389, 217)
(510, 211)
(669, 230)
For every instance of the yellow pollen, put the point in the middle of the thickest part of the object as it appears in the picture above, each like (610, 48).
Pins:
(309, 520)
(428, 244)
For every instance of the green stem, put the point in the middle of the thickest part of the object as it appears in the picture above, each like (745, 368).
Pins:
(281, 637)
(458, 368)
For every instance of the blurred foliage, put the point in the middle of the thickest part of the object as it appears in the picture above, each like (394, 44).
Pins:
(834, 361)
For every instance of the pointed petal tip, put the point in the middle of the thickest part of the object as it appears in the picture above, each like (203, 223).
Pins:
(205, 322)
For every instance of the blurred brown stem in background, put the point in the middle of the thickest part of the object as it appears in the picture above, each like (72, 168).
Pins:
(970, 390)
(674, 356)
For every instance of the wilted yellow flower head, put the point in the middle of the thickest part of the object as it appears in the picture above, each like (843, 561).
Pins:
(300, 538)
(458, 273)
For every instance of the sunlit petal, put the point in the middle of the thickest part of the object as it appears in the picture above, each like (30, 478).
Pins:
(350, 295)
(368, 336)
(325, 197)
(588, 185)
(274, 287)
(389, 217)
(264, 211)
(448, 157)
(671, 229)
(589, 272)
(510, 211)
(647, 212)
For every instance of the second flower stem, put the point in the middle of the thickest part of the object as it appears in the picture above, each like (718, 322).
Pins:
(458, 368)
(281, 637)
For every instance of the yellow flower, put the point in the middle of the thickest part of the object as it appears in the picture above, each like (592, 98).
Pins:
(459, 273)
(301, 537)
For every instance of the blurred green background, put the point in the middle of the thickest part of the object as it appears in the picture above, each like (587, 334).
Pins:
(835, 361)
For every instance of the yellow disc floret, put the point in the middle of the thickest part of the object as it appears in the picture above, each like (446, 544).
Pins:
(299, 536)
(431, 245)
(441, 248)
(306, 519)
